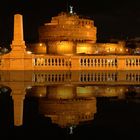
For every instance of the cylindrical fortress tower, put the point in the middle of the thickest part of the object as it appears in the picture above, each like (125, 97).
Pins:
(68, 34)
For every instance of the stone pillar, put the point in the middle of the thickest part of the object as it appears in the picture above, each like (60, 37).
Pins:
(75, 63)
(121, 63)
(18, 38)
(18, 58)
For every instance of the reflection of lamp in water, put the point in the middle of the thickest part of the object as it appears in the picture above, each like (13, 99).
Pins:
(71, 129)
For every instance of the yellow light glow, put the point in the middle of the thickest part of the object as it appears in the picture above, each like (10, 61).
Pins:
(121, 49)
(88, 26)
(29, 52)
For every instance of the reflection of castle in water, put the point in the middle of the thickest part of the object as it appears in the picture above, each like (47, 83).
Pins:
(31, 78)
(64, 105)
(66, 113)
(93, 77)
(67, 97)
(71, 105)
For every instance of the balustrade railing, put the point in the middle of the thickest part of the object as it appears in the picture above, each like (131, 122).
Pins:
(98, 62)
(133, 62)
(54, 62)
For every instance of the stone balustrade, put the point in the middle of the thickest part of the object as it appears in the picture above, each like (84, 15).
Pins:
(53, 62)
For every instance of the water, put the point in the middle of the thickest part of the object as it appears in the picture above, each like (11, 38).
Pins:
(70, 105)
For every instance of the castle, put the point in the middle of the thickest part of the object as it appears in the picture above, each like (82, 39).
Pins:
(68, 42)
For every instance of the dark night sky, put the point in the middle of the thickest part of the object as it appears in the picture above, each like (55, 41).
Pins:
(113, 19)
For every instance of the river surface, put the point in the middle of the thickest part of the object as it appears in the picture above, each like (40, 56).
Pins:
(70, 105)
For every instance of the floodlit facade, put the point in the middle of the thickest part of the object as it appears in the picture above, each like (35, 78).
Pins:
(68, 34)
(68, 42)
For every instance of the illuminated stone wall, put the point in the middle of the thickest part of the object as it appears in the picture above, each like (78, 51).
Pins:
(109, 48)
(61, 47)
(67, 54)
(86, 48)
(37, 48)
(68, 28)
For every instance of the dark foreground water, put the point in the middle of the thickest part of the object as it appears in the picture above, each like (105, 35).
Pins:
(114, 119)
(70, 109)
